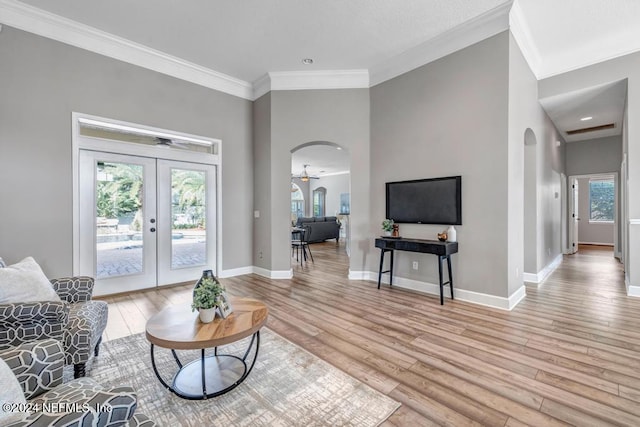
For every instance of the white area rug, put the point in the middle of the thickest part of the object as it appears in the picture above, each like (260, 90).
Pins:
(287, 387)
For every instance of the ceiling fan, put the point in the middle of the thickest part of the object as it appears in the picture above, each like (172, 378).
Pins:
(304, 176)
(166, 142)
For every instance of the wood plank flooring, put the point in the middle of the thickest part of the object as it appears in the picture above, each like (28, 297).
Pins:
(567, 354)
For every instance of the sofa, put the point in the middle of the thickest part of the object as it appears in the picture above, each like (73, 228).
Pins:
(62, 309)
(320, 229)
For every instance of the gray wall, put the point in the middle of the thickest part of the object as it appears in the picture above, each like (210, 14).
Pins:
(448, 118)
(299, 117)
(42, 82)
(535, 232)
(335, 185)
(593, 156)
(261, 181)
(590, 232)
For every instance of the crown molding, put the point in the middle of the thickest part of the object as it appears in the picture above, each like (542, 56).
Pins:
(590, 54)
(522, 34)
(308, 80)
(469, 32)
(261, 86)
(37, 21)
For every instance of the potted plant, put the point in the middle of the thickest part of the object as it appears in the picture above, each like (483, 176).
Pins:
(206, 298)
(387, 226)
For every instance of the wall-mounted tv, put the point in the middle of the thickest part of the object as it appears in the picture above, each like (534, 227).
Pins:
(425, 201)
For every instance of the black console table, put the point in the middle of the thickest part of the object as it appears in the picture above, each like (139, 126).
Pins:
(443, 250)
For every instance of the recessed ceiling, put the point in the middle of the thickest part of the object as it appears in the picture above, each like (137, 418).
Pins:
(604, 104)
(323, 160)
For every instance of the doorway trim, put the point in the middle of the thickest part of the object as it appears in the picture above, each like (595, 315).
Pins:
(83, 142)
(616, 205)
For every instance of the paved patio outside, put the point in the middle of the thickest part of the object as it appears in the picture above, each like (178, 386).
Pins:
(122, 258)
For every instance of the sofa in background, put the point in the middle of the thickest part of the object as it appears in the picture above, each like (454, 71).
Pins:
(320, 228)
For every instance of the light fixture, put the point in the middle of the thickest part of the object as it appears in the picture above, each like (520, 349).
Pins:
(586, 119)
(304, 176)
(307, 61)
(338, 148)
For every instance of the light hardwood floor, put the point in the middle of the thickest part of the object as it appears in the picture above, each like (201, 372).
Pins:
(567, 354)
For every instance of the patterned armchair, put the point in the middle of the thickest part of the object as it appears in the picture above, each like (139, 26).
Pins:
(38, 367)
(77, 321)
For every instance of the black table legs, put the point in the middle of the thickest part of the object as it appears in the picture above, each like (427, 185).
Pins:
(390, 270)
(442, 283)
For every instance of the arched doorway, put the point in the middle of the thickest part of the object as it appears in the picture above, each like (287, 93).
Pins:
(321, 170)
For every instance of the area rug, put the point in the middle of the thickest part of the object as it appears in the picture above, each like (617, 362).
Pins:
(287, 387)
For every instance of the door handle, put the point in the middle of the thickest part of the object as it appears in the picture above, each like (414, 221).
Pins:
(152, 229)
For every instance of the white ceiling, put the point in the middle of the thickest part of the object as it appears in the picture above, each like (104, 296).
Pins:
(323, 160)
(248, 38)
(605, 104)
(231, 45)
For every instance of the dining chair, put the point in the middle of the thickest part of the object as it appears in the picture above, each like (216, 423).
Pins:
(300, 242)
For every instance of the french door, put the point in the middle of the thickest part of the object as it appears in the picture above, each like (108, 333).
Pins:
(144, 222)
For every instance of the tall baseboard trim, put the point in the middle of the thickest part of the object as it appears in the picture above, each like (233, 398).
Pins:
(632, 291)
(236, 271)
(275, 274)
(596, 244)
(544, 273)
(433, 289)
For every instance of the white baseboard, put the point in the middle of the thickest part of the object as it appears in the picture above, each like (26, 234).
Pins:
(236, 271)
(434, 289)
(596, 243)
(275, 274)
(632, 291)
(540, 276)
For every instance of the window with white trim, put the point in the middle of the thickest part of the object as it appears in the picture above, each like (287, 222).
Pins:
(601, 200)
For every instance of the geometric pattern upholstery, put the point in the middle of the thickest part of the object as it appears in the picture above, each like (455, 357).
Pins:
(38, 365)
(73, 289)
(81, 402)
(32, 321)
(77, 321)
(87, 321)
(89, 397)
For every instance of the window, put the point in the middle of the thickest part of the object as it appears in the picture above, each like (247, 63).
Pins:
(297, 202)
(319, 195)
(601, 200)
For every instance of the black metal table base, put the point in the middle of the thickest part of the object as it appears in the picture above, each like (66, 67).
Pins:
(442, 283)
(209, 376)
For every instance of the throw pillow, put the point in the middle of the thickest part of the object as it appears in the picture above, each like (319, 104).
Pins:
(25, 282)
(10, 393)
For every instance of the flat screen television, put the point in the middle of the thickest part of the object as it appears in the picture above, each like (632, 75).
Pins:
(425, 201)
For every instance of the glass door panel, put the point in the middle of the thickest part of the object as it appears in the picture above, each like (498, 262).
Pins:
(186, 220)
(117, 221)
(119, 217)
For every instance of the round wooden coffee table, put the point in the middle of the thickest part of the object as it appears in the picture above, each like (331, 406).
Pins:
(178, 328)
